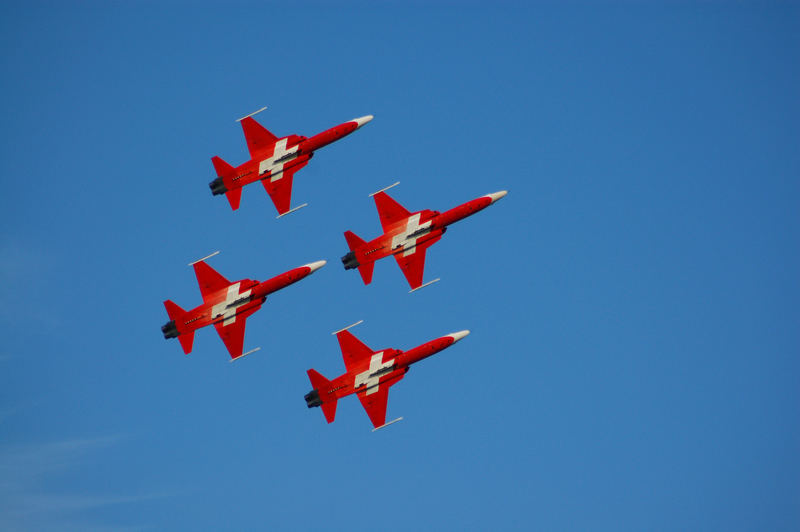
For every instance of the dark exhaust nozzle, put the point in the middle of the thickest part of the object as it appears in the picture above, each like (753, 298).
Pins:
(217, 187)
(312, 399)
(350, 261)
(169, 329)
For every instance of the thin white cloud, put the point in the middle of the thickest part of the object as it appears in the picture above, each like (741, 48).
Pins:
(27, 504)
(23, 267)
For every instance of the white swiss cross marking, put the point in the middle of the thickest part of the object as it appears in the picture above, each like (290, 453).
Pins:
(222, 308)
(368, 377)
(269, 165)
(402, 239)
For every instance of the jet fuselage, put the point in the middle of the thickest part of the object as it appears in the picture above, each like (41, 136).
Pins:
(241, 296)
(405, 235)
(382, 368)
(285, 153)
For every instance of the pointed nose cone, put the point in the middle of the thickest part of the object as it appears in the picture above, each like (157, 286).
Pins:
(316, 265)
(361, 121)
(494, 196)
(456, 336)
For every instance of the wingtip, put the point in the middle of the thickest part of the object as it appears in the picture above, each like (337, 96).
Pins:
(387, 424)
(348, 327)
(204, 258)
(251, 114)
(282, 214)
(233, 359)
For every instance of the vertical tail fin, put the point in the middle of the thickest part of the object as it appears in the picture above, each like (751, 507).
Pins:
(176, 315)
(321, 385)
(356, 244)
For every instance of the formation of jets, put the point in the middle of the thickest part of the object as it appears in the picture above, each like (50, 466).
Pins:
(406, 236)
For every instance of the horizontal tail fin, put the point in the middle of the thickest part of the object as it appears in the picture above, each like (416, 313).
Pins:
(353, 240)
(322, 385)
(223, 169)
(177, 315)
(234, 197)
(173, 310)
(186, 340)
(355, 243)
(366, 272)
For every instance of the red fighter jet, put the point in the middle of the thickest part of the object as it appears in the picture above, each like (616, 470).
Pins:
(273, 161)
(369, 375)
(226, 305)
(406, 236)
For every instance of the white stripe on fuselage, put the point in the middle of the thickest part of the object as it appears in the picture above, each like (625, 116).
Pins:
(368, 377)
(402, 239)
(222, 308)
(276, 169)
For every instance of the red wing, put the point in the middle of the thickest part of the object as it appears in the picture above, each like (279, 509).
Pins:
(257, 136)
(375, 403)
(353, 350)
(413, 265)
(233, 334)
(280, 190)
(209, 279)
(389, 211)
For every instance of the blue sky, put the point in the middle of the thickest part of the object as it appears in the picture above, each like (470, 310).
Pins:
(634, 352)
